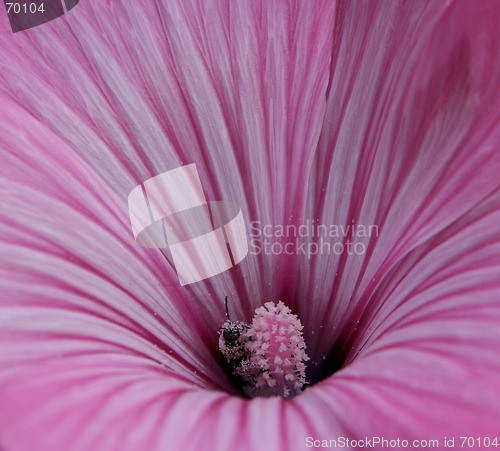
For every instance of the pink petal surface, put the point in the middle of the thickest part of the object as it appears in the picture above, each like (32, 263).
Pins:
(410, 142)
(236, 87)
(99, 346)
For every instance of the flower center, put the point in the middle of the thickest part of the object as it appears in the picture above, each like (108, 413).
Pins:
(267, 356)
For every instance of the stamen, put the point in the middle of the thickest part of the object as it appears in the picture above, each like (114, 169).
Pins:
(268, 356)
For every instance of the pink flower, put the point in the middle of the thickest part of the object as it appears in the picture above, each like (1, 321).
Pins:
(352, 113)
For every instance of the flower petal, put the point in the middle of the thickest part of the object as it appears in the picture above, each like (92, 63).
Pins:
(91, 326)
(410, 144)
(71, 273)
(424, 361)
(236, 87)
